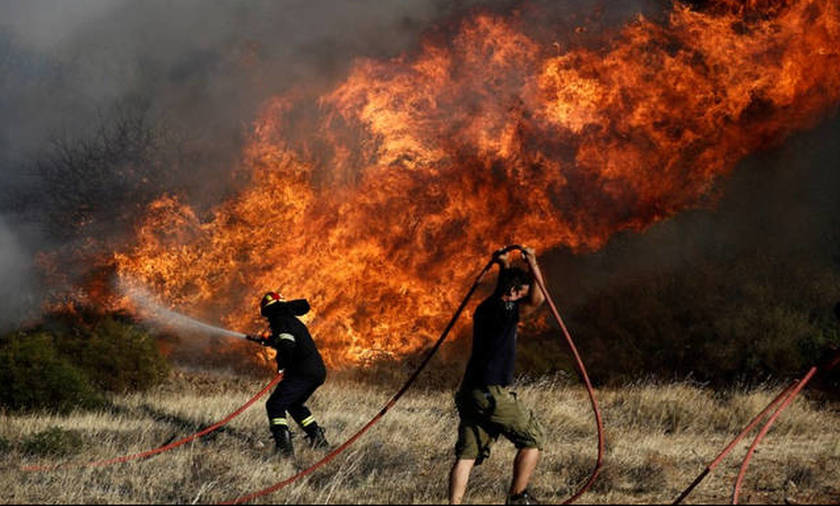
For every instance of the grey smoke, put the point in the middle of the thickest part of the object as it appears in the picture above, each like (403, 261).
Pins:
(16, 277)
(782, 203)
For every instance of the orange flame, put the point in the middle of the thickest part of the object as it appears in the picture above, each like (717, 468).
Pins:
(378, 200)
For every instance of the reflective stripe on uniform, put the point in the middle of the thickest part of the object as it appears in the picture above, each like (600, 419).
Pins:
(308, 420)
(278, 421)
(285, 335)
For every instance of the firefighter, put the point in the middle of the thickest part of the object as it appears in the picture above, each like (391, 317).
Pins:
(486, 406)
(302, 367)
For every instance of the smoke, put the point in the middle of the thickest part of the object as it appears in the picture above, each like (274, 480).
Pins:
(16, 278)
(205, 67)
(781, 204)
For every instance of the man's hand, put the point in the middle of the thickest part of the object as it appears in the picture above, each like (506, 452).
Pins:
(529, 255)
(502, 257)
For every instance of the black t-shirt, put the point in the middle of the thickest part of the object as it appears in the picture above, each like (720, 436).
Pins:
(494, 343)
(296, 350)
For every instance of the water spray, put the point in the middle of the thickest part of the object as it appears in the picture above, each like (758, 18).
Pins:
(160, 314)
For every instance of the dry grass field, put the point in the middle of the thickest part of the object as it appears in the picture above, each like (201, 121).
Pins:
(659, 437)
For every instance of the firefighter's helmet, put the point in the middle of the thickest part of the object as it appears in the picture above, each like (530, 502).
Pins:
(268, 299)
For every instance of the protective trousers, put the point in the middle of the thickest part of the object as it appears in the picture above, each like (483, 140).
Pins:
(290, 395)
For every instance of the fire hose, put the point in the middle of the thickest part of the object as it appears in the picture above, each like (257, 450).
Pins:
(783, 400)
(169, 446)
(335, 452)
(736, 489)
(713, 464)
(589, 390)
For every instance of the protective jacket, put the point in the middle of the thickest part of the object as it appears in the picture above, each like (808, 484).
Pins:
(297, 354)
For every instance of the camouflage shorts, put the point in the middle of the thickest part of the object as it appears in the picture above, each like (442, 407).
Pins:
(489, 412)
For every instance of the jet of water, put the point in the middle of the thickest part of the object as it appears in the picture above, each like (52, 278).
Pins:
(158, 313)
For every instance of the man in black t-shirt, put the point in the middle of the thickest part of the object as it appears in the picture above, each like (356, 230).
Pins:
(302, 367)
(487, 408)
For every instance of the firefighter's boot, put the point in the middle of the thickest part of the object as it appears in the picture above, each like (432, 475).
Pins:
(315, 436)
(282, 441)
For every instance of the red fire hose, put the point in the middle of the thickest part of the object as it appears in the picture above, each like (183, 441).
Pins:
(736, 489)
(589, 390)
(713, 464)
(783, 400)
(169, 446)
(426, 359)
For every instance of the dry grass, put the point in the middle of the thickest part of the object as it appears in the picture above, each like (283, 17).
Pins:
(659, 437)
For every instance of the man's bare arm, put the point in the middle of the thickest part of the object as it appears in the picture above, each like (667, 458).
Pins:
(535, 295)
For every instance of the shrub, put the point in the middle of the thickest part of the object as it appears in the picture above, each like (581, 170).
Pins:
(54, 442)
(35, 376)
(72, 359)
(738, 320)
(120, 356)
(116, 354)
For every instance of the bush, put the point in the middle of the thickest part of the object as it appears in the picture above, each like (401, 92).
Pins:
(116, 354)
(743, 320)
(72, 359)
(53, 442)
(35, 376)
(120, 357)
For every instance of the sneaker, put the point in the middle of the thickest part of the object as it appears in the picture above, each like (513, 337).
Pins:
(523, 497)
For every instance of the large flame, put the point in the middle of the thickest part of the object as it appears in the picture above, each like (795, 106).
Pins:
(379, 199)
